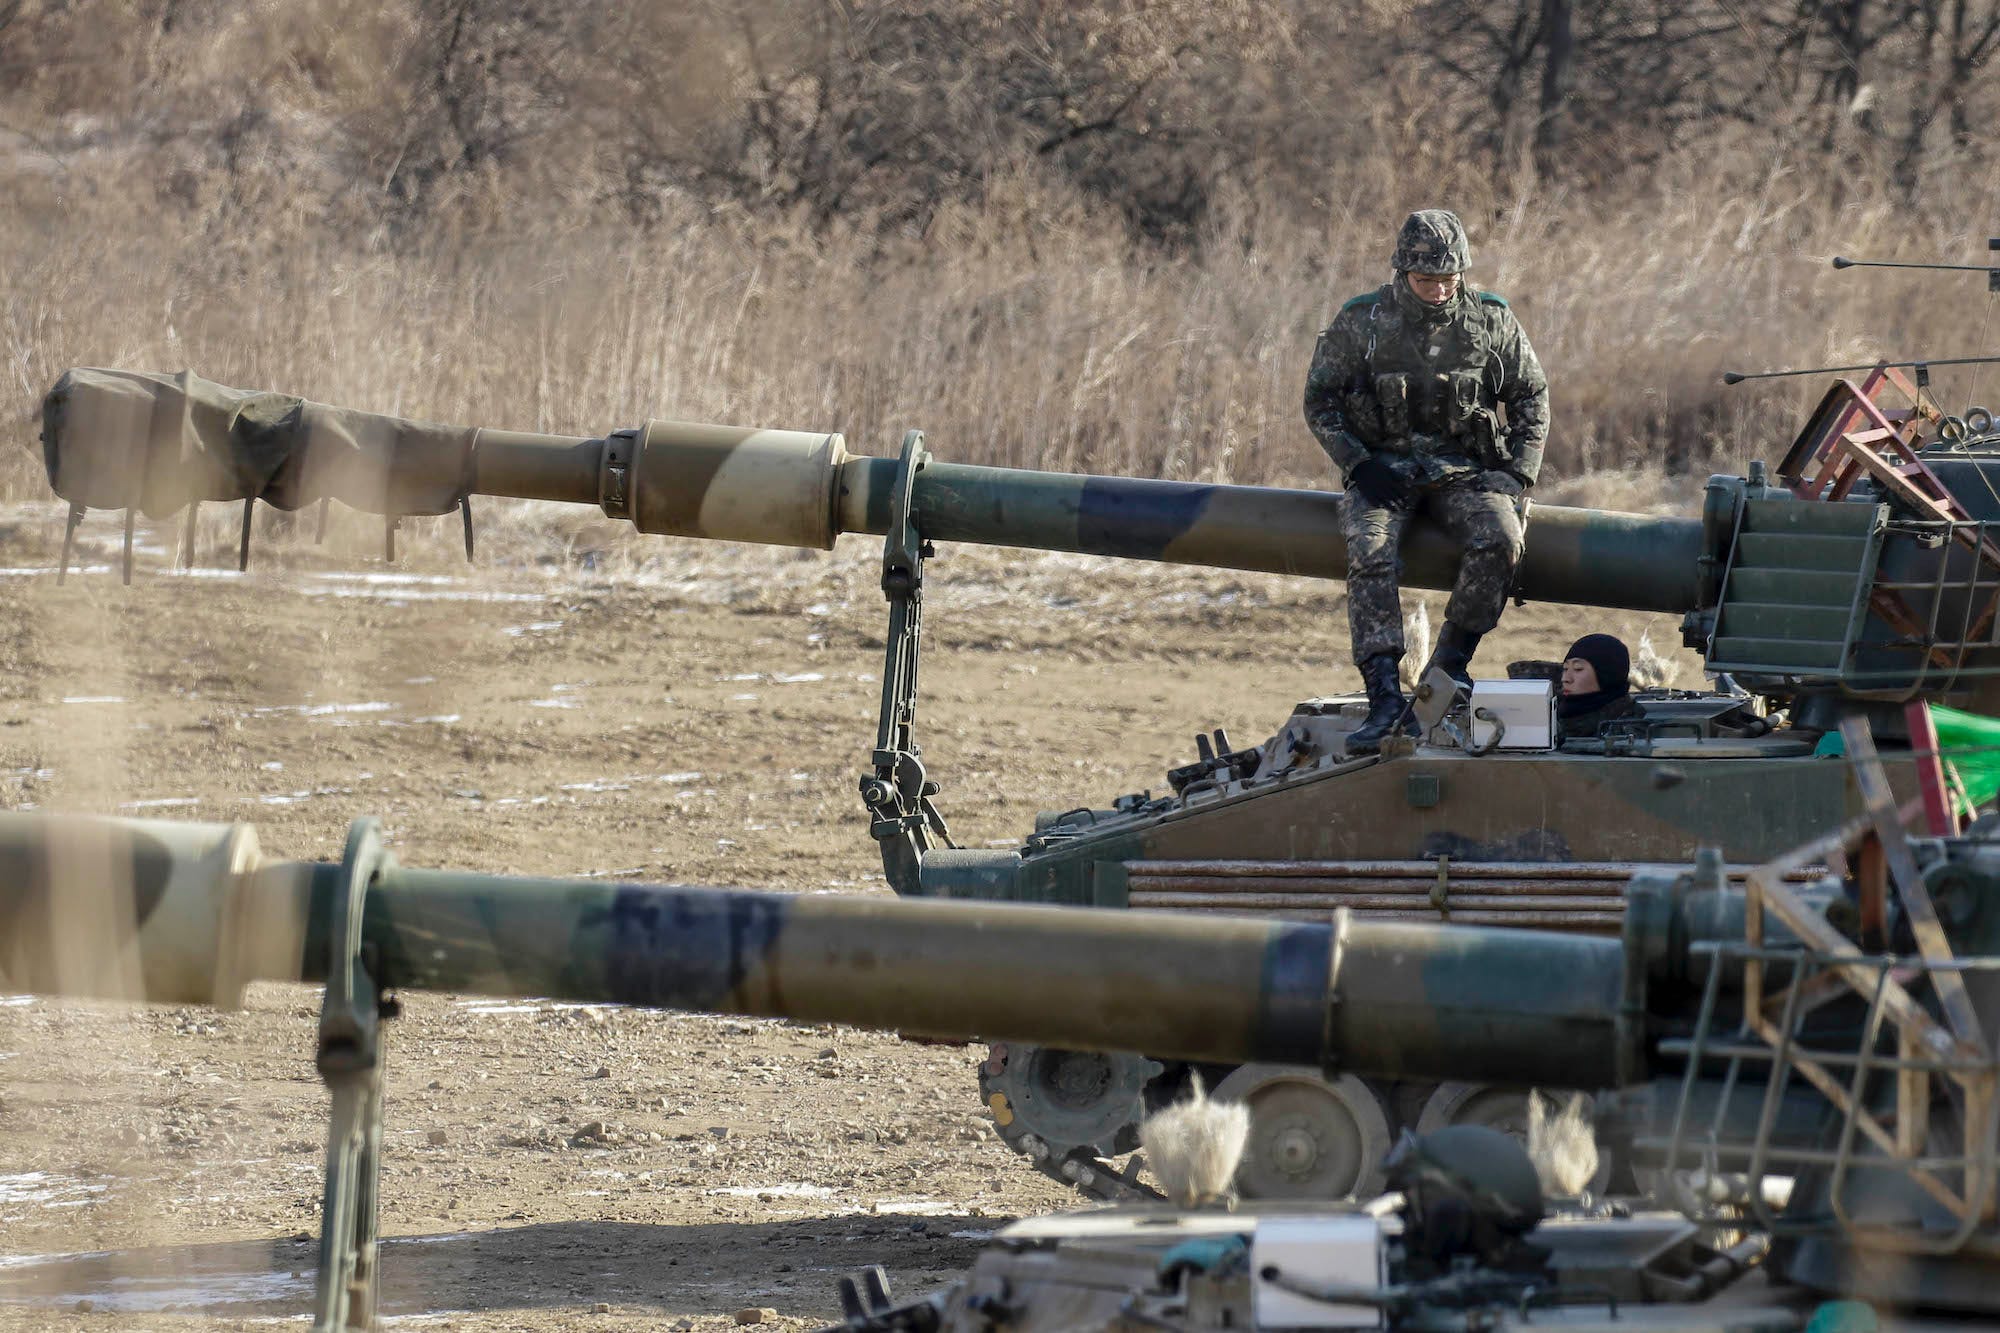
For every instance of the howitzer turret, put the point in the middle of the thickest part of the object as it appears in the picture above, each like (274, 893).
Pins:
(1861, 576)
(1721, 1011)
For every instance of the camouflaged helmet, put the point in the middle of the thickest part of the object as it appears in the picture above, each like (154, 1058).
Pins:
(1432, 241)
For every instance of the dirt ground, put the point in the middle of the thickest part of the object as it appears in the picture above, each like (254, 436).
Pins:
(576, 704)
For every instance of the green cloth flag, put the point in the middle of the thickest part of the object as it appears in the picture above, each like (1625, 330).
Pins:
(1970, 744)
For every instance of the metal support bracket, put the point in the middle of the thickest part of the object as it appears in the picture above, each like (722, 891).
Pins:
(350, 1062)
(896, 790)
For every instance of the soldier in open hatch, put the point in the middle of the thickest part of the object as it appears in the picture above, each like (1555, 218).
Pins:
(1404, 395)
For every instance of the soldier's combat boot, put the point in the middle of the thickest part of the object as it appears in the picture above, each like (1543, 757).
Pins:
(1385, 704)
(1455, 648)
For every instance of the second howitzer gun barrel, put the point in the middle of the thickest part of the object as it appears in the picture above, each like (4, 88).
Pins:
(189, 913)
(117, 439)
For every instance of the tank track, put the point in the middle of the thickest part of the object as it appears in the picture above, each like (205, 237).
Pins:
(1095, 1178)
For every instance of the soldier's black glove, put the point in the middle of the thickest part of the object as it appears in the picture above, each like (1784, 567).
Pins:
(1502, 483)
(1380, 483)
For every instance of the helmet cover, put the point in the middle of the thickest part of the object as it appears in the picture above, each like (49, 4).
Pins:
(1432, 241)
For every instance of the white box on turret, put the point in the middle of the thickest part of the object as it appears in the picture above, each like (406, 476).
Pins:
(1316, 1251)
(1521, 712)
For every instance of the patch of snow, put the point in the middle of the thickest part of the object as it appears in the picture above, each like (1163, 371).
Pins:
(401, 596)
(325, 710)
(917, 1205)
(39, 1187)
(151, 1295)
(385, 578)
(23, 573)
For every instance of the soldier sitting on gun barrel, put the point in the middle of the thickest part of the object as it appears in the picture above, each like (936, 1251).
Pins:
(1404, 396)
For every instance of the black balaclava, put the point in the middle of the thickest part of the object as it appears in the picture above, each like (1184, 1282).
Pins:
(1613, 665)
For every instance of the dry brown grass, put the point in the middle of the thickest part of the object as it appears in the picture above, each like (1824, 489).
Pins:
(1027, 329)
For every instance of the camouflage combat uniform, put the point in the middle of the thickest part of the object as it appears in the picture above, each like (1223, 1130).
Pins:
(1418, 386)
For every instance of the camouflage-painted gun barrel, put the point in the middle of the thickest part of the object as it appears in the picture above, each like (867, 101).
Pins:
(796, 489)
(122, 439)
(187, 913)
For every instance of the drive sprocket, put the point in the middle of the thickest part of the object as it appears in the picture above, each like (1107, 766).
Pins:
(1070, 1113)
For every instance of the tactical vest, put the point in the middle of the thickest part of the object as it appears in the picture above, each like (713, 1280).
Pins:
(1426, 381)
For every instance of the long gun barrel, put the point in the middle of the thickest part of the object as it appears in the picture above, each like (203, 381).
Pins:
(189, 913)
(184, 913)
(118, 440)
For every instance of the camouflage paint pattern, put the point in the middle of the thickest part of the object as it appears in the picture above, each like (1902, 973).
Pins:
(126, 908)
(163, 899)
(736, 484)
(1488, 532)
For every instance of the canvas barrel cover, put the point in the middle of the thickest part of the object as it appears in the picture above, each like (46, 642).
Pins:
(118, 439)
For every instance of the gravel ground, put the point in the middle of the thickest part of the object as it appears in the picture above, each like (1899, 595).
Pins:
(657, 711)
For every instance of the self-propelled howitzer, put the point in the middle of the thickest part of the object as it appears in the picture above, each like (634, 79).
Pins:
(1720, 1012)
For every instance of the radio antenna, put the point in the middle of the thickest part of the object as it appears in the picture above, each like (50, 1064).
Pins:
(1992, 273)
(1921, 367)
